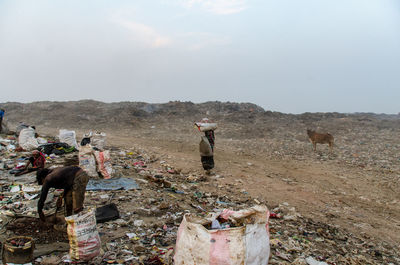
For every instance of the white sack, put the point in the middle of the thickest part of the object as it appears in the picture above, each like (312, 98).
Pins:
(27, 139)
(98, 140)
(247, 244)
(84, 239)
(68, 137)
(87, 161)
(205, 126)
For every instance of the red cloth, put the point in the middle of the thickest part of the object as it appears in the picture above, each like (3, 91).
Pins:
(40, 161)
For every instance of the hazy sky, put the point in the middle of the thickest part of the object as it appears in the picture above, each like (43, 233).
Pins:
(288, 56)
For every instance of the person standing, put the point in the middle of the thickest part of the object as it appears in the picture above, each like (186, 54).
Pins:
(207, 143)
(2, 112)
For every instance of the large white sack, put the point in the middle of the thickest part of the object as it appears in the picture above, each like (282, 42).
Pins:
(68, 137)
(98, 140)
(84, 239)
(247, 244)
(206, 126)
(87, 161)
(27, 139)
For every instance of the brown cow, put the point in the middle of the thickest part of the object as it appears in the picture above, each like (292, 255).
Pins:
(320, 138)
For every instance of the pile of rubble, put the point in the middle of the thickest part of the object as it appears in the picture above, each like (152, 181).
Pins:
(150, 212)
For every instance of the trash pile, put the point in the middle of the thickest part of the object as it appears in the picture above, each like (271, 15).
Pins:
(141, 200)
(19, 242)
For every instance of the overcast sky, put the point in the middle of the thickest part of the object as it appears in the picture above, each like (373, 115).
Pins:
(284, 55)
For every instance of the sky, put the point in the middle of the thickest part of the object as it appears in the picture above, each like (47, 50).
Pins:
(283, 55)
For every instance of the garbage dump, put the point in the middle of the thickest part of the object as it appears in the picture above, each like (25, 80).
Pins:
(152, 199)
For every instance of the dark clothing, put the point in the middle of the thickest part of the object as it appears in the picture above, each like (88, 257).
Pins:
(75, 197)
(207, 162)
(85, 141)
(211, 138)
(59, 178)
(1, 119)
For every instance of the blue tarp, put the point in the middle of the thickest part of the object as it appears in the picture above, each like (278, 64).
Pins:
(112, 184)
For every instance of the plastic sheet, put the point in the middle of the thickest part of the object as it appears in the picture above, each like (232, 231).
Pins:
(112, 184)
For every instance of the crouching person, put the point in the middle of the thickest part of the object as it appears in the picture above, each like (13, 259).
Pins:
(71, 179)
(37, 160)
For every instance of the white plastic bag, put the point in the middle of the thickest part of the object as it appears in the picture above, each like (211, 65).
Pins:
(41, 140)
(87, 161)
(27, 139)
(84, 240)
(98, 140)
(247, 244)
(205, 125)
(104, 163)
(68, 137)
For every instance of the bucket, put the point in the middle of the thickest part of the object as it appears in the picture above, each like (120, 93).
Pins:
(18, 254)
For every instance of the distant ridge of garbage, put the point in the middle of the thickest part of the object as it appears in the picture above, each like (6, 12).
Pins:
(99, 115)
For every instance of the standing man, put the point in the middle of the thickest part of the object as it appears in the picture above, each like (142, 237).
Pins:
(38, 161)
(71, 179)
(2, 111)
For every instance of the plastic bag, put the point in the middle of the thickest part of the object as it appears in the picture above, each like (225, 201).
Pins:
(205, 125)
(104, 165)
(205, 147)
(84, 240)
(20, 127)
(98, 140)
(68, 137)
(41, 140)
(247, 244)
(4, 127)
(87, 161)
(27, 139)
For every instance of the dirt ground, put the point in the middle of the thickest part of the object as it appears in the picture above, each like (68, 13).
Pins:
(42, 233)
(330, 192)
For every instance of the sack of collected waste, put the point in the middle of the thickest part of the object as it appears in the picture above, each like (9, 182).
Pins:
(205, 125)
(104, 165)
(227, 237)
(205, 147)
(87, 161)
(84, 240)
(20, 127)
(68, 137)
(98, 140)
(4, 128)
(27, 140)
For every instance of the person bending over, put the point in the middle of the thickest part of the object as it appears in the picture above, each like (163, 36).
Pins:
(71, 179)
